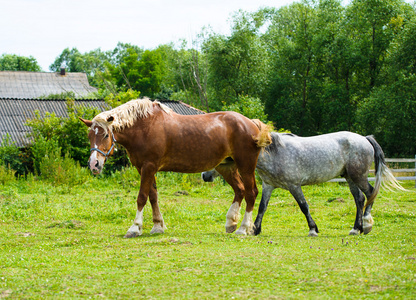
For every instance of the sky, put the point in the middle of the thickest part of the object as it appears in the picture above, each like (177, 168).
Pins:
(44, 28)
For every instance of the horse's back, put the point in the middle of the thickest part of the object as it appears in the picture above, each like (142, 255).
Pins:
(294, 160)
(200, 142)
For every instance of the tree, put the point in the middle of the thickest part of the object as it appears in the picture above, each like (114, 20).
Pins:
(336, 62)
(187, 74)
(238, 64)
(13, 62)
(74, 61)
(390, 111)
(370, 22)
(290, 38)
(248, 106)
(142, 74)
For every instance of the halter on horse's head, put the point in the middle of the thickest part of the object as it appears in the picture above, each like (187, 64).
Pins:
(109, 152)
(102, 144)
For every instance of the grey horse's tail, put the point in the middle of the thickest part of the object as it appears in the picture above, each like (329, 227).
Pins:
(382, 172)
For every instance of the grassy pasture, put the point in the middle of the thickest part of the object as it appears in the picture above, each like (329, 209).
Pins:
(66, 242)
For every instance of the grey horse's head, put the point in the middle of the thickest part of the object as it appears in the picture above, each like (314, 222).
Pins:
(209, 176)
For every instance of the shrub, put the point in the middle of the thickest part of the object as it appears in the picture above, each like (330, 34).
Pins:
(11, 156)
(70, 134)
(7, 175)
(51, 166)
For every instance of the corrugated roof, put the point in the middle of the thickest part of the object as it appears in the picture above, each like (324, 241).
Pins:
(31, 85)
(15, 112)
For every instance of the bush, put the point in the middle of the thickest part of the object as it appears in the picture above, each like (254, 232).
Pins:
(11, 156)
(70, 134)
(7, 175)
(51, 166)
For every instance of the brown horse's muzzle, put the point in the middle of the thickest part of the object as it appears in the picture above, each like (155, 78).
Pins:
(96, 163)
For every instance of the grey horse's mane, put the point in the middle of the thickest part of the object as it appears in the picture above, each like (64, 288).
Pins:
(277, 141)
(126, 114)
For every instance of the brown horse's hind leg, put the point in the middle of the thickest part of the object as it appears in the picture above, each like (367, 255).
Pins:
(251, 192)
(158, 223)
(232, 177)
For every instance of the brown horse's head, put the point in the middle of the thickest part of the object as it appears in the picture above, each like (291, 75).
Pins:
(102, 143)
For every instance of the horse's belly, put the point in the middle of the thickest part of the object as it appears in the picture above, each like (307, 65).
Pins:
(321, 173)
(190, 164)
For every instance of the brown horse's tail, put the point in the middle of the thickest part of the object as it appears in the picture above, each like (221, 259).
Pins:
(264, 138)
(382, 172)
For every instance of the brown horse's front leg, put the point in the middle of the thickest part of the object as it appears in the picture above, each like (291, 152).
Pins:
(147, 173)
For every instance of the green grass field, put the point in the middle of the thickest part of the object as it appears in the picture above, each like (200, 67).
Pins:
(65, 242)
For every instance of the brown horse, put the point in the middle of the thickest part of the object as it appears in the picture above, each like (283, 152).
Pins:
(158, 139)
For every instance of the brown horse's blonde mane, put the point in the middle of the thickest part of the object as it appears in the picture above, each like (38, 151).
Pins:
(126, 114)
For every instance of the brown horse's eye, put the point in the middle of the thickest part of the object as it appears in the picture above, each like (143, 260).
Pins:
(106, 136)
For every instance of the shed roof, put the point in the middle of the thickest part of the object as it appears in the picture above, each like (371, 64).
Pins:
(31, 85)
(15, 112)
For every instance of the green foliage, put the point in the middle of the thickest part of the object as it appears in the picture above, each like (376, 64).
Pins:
(11, 157)
(390, 110)
(142, 73)
(69, 133)
(239, 63)
(74, 61)
(41, 149)
(64, 95)
(7, 175)
(121, 98)
(54, 168)
(250, 107)
(13, 62)
(390, 114)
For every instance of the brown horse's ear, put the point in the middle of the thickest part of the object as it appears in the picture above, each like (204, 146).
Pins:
(86, 122)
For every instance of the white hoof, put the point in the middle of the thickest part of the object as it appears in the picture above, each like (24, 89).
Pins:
(245, 230)
(134, 231)
(157, 228)
(247, 225)
(354, 232)
(367, 224)
(241, 231)
(230, 229)
(232, 218)
(312, 232)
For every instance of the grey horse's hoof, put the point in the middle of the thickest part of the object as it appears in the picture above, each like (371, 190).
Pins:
(231, 229)
(367, 224)
(367, 229)
(312, 232)
(354, 232)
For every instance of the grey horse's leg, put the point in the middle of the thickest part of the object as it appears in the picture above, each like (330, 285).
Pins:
(265, 197)
(367, 218)
(362, 223)
(359, 203)
(297, 193)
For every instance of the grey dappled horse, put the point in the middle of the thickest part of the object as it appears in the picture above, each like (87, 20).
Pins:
(292, 161)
